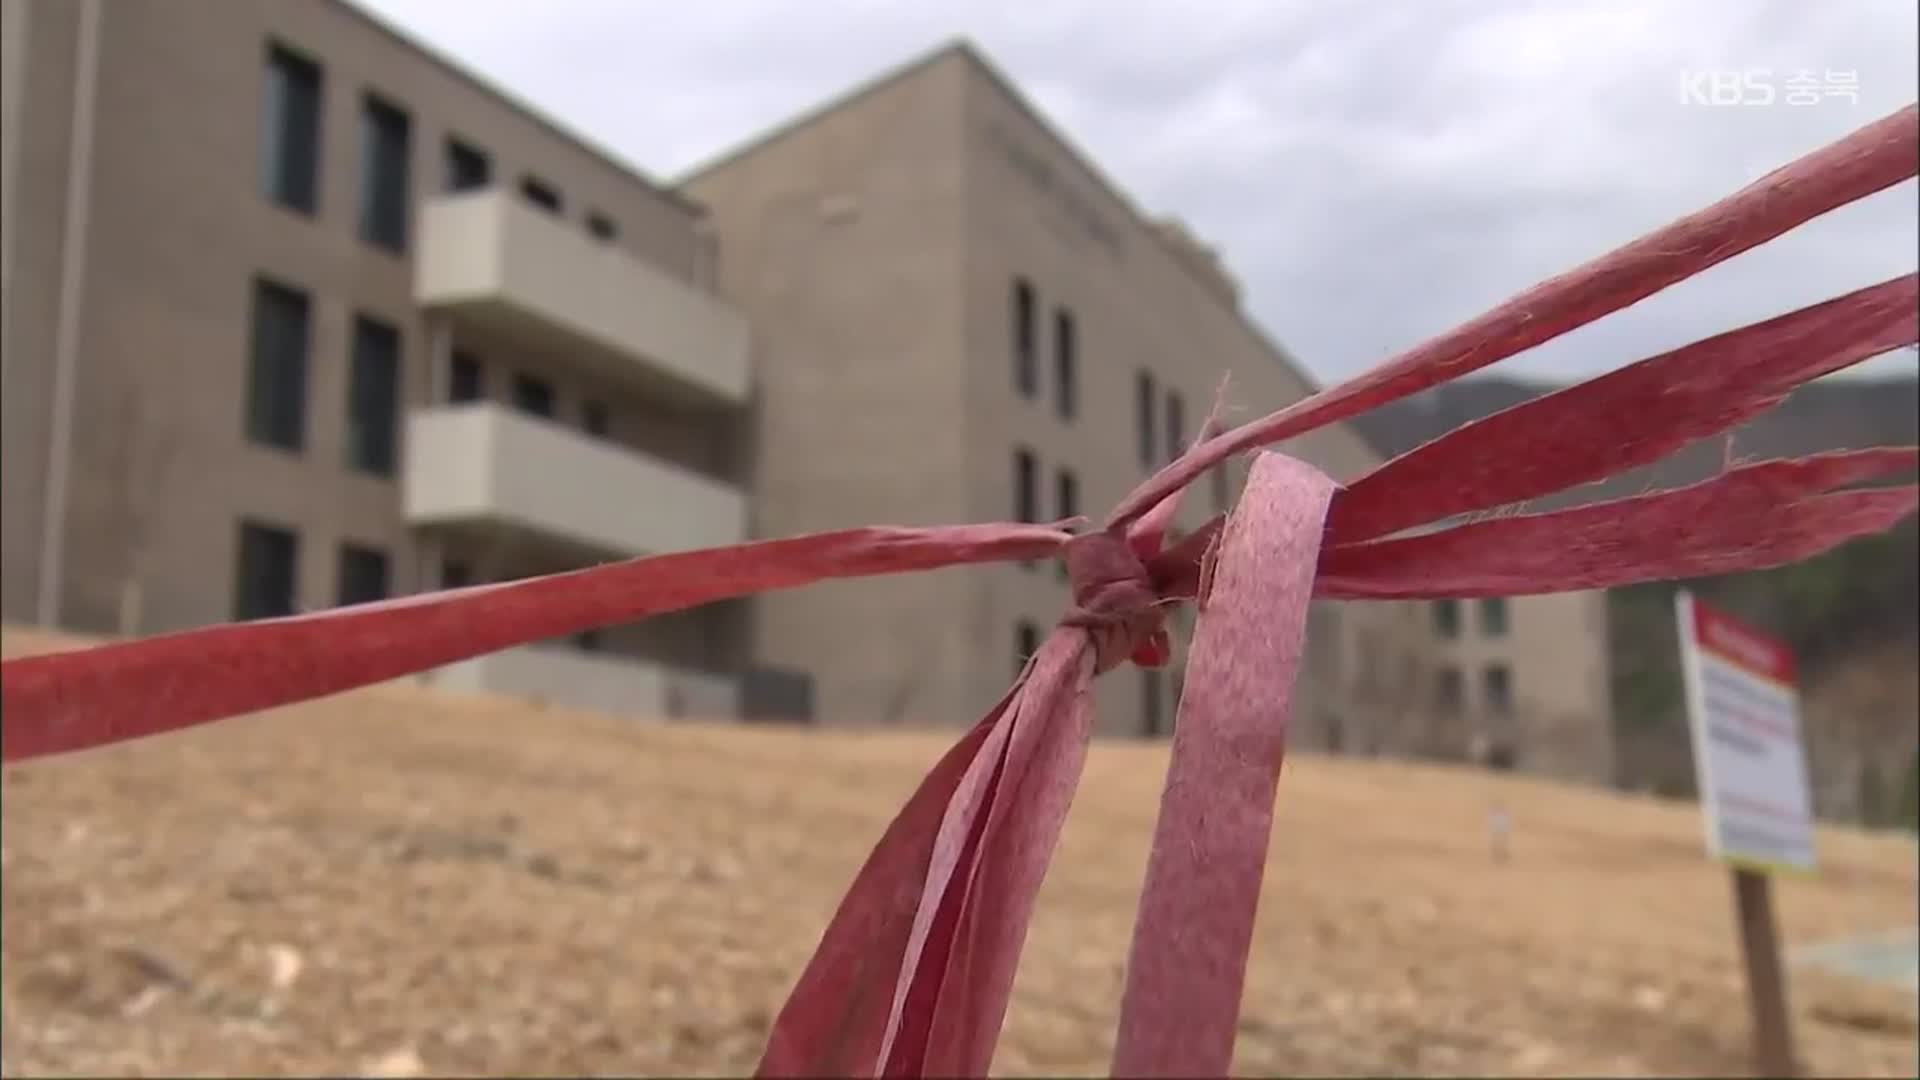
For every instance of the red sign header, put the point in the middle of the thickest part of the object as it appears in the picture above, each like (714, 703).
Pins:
(1736, 643)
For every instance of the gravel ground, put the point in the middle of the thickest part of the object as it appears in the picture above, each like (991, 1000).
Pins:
(396, 883)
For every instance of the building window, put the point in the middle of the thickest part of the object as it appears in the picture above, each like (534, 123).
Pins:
(363, 574)
(277, 367)
(1497, 684)
(373, 396)
(1026, 643)
(466, 377)
(1066, 490)
(265, 571)
(1143, 417)
(383, 174)
(1153, 714)
(1026, 368)
(1493, 616)
(290, 131)
(1222, 488)
(1449, 692)
(1446, 618)
(468, 167)
(540, 193)
(455, 574)
(1026, 501)
(602, 228)
(593, 417)
(1066, 362)
(533, 395)
(1176, 425)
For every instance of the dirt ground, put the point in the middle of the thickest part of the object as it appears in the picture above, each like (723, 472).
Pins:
(400, 883)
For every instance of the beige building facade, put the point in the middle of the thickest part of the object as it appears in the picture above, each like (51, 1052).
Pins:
(297, 314)
(998, 332)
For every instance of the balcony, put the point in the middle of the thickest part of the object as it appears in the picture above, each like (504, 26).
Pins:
(604, 682)
(480, 464)
(530, 280)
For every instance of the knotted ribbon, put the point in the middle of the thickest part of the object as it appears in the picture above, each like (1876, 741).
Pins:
(912, 974)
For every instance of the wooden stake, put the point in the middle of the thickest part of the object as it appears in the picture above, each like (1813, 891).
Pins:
(1766, 980)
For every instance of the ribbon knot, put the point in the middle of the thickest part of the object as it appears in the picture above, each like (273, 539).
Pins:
(1116, 602)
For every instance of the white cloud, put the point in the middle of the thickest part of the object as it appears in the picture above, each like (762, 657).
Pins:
(1375, 173)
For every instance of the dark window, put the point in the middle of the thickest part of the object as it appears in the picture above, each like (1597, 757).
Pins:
(468, 167)
(383, 174)
(455, 574)
(263, 585)
(363, 574)
(1066, 490)
(1066, 364)
(1026, 643)
(533, 395)
(1446, 618)
(1153, 714)
(373, 396)
(540, 193)
(1143, 417)
(1026, 368)
(1026, 502)
(466, 378)
(1497, 684)
(1493, 616)
(602, 228)
(1449, 693)
(1176, 425)
(1222, 488)
(277, 367)
(590, 640)
(290, 131)
(593, 417)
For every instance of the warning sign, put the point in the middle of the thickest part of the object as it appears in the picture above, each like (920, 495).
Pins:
(1745, 718)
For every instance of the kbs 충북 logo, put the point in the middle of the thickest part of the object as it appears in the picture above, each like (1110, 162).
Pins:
(1762, 86)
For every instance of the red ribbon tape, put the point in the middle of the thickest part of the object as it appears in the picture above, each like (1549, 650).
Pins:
(912, 974)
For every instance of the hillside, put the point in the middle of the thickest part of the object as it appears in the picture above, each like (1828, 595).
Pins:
(1852, 615)
(400, 882)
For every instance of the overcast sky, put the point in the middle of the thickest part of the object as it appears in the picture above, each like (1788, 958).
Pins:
(1374, 173)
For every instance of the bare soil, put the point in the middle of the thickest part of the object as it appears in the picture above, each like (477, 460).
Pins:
(400, 883)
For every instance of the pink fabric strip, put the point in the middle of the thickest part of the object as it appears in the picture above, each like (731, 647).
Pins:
(111, 693)
(1022, 829)
(1749, 518)
(1188, 960)
(1631, 417)
(837, 1015)
(1874, 158)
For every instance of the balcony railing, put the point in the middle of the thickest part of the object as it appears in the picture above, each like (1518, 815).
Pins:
(481, 463)
(491, 262)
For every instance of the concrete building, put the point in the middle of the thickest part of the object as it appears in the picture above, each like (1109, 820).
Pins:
(299, 314)
(998, 331)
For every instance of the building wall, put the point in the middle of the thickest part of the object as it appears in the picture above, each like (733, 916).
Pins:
(842, 239)
(874, 245)
(177, 228)
(37, 41)
(1555, 650)
(1142, 300)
